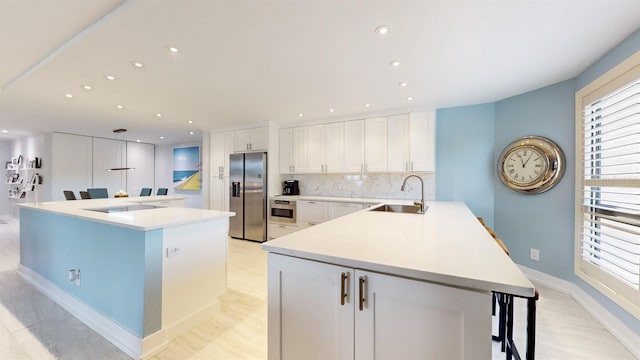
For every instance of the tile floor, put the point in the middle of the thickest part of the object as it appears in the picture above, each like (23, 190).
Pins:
(34, 327)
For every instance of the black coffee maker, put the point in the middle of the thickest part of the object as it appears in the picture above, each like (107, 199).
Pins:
(290, 187)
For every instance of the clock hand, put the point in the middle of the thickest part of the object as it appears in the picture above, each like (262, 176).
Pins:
(529, 158)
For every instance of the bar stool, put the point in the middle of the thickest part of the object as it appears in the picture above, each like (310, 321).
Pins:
(505, 314)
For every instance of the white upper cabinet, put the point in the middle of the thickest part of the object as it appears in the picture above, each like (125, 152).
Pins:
(333, 147)
(286, 151)
(422, 141)
(222, 145)
(300, 164)
(398, 143)
(315, 156)
(375, 145)
(354, 146)
(252, 139)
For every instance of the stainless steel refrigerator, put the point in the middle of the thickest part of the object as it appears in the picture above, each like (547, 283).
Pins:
(248, 196)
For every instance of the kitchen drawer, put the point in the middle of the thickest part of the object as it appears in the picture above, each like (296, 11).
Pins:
(277, 230)
(337, 209)
(312, 211)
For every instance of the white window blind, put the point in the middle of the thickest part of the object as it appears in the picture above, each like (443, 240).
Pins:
(609, 236)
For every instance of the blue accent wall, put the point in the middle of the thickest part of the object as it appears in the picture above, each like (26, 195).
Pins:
(121, 269)
(465, 170)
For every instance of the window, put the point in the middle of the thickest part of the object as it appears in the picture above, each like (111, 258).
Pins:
(608, 184)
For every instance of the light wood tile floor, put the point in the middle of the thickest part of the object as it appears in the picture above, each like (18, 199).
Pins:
(34, 327)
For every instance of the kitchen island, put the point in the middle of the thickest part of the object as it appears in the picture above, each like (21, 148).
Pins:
(137, 272)
(388, 285)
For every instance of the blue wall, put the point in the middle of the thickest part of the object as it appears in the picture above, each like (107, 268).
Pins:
(115, 265)
(465, 168)
(544, 221)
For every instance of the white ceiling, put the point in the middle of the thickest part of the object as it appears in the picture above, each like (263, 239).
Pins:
(250, 61)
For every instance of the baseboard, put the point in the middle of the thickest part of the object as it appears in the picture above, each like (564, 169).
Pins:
(616, 327)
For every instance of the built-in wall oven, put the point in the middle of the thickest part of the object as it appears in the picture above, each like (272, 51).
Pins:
(282, 211)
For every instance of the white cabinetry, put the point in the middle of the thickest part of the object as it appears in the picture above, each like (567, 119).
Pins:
(375, 145)
(222, 145)
(138, 157)
(109, 154)
(398, 143)
(277, 230)
(338, 209)
(422, 141)
(252, 139)
(365, 315)
(325, 148)
(311, 213)
(286, 151)
(300, 164)
(71, 164)
(354, 146)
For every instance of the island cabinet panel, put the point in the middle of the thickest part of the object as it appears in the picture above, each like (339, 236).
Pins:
(307, 319)
(324, 311)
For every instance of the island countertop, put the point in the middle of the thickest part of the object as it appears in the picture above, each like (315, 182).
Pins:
(147, 219)
(447, 245)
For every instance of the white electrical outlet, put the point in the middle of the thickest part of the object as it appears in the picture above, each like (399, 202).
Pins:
(173, 251)
(535, 254)
(74, 276)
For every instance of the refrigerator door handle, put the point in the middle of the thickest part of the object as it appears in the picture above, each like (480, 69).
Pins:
(235, 189)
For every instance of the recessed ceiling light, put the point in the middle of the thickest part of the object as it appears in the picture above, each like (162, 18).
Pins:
(137, 64)
(367, 105)
(173, 49)
(4, 131)
(394, 63)
(68, 96)
(409, 98)
(137, 140)
(161, 137)
(191, 133)
(190, 121)
(403, 84)
(300, 115)
(120, 107)
(382, 29)
(110, 77)
(332, 110)
(87, 87)
(158, 115)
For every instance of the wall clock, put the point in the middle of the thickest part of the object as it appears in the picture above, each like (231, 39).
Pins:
(531, 165)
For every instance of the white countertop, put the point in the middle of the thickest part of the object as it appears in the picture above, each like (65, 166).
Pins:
(447, 245)
(148, 219)
(359, 200)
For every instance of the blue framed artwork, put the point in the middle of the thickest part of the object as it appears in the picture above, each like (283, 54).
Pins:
(186, 168)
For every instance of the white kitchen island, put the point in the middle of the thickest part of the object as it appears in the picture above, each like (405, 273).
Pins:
(388, 286)
(147, 271)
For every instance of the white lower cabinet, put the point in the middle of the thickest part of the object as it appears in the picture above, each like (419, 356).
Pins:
(277, 230)
(324, 311)
(338, 209)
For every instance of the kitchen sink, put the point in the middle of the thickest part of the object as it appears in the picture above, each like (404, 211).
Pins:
(407, 209)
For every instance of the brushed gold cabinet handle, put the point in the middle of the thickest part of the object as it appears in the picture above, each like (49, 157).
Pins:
(343, 294)
(361, 282)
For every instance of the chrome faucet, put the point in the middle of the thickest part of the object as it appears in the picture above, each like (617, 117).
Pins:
(419, 203)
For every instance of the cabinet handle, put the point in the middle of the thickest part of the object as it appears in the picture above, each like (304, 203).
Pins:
(362, 300)
(344, 278)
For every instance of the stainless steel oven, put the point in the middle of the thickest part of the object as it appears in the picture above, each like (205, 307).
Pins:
(282, 211)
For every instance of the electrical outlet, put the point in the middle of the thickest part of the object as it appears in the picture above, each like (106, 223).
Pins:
(535, 254)
(74, 276)
(173, 251)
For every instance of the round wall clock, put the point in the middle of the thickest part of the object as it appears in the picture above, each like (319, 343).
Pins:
(531, 165)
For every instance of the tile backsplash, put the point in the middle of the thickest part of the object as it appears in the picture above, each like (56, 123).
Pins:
(384, 186)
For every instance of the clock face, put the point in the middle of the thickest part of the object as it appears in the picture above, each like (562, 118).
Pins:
(524, 165)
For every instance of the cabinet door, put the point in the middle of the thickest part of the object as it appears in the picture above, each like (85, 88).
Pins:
(308, 317)
(220, 193)
(300, 150)
(314, 212)
(409, 319)
(315, 153)
(333, 147)
(375, 145)
(354, 146)
(259, 138)
(71, 164)
(286, 151)
(422, 141)
(337, 209)
(398, 143)
(222, 145)
(140, 157)
(277, 230)
(243, 139)
(109, 154)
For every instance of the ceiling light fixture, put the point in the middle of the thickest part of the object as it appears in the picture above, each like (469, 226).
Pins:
(173, 49)
(403, 84)
(300, 115)
(87, 87)
(158, 115)
(161, 137)
(122, 167)
(110, 77)
(410, 98)
(137, 140)
(382, 30)
(68, 96)
(394, 63)
(332, 110)
(137, 64)
(4, 131)
(119, 107)
(367, 105)
(190, 121)
(191, 133)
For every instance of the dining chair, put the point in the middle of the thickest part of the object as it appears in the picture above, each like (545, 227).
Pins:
(84, 195)
(162, 191)
(98, 193)
(145, 192)
(69, 195)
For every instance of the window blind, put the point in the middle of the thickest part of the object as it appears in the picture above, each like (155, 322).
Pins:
(610, 155)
